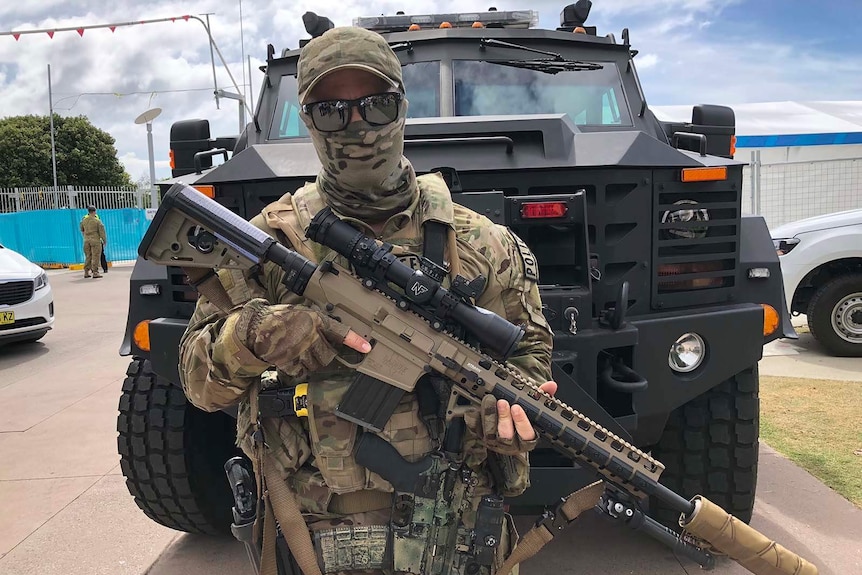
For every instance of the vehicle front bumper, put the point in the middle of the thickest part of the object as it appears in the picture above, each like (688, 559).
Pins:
(32, 317)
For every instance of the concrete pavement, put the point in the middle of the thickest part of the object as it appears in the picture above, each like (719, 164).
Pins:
(63, 502)
(65, 508)
(805, 358)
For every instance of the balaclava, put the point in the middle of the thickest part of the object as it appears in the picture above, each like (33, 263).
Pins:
(365, 174)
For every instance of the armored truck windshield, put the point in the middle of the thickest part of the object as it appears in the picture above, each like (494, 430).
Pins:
(590, 97)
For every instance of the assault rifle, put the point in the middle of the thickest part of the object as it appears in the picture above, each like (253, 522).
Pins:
(410, 317)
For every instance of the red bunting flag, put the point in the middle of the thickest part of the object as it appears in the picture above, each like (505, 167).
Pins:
(186, 17)
(16, 36)
(80, 31)
(112, 28)
(50, 33)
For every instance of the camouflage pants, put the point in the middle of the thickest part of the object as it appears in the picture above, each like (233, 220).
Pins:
(92, 255)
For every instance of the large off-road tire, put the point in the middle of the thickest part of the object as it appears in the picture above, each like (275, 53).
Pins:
(172, 454)
(835, 315)
(709, 447)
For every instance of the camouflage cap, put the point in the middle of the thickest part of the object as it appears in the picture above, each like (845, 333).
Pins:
(346, 47)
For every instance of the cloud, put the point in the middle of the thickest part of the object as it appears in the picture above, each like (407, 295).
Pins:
(646, 61)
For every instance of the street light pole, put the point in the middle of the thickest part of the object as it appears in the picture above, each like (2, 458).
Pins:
(147, 118)
(154, 196)
(51, 121)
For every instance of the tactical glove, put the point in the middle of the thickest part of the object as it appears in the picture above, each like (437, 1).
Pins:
(482, 421)
(295, 339)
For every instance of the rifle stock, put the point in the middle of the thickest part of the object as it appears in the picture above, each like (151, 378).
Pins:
(408, 329)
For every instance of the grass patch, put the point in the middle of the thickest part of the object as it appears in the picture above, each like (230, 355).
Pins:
(817, 424)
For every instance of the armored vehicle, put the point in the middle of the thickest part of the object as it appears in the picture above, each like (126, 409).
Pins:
(661, 295)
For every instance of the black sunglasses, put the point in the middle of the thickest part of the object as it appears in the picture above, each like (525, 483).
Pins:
(334, 115)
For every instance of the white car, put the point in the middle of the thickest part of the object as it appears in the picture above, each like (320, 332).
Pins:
(821, 261)
(26, 300)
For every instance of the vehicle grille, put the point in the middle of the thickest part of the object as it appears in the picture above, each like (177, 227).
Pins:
(29, 322)
(12, 293)
(618, 235)
(695, 243)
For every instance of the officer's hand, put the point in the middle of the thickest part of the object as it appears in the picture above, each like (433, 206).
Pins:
(355, 341)
(295, 339)
(511, 419)
(503, 428)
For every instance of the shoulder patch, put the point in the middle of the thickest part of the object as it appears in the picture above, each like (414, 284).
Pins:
(531, 268)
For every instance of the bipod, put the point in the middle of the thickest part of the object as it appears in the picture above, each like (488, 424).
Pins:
(620, 509)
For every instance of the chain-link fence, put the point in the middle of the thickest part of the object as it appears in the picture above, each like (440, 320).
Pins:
(790, 191)
(71, 197)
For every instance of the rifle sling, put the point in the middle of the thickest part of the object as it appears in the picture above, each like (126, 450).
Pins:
(539, 536)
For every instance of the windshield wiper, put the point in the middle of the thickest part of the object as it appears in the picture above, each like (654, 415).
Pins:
(485, 42)
(549, 66)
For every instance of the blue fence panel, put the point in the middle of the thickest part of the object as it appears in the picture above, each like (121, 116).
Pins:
(124, 227)
(54, 236)
(43, 236)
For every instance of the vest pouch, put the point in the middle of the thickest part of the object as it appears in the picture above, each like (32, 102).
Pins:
(312, 493)
(285, 440)
(333, 438)
(508, 541)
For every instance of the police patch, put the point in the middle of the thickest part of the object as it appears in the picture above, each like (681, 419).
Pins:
(531, 268)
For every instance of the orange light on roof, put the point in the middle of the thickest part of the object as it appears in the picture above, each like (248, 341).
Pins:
(579, 30)
(173, 160)
(208, 191)
(141, 335)
(771, 319)
(445, 25)
(732, 146)
(540, 210)
(414, 27)
(703, 174)
(478, 25)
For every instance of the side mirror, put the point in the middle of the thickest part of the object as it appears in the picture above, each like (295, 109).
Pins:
(188, 137)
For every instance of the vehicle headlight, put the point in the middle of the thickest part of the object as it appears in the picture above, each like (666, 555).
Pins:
(40, 281)
(686, 353)
(784, 245)
(688, 213)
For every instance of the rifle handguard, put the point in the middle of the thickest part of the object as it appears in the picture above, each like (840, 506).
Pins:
(745, 545)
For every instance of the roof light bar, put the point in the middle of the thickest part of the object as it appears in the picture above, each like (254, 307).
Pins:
(493, 19)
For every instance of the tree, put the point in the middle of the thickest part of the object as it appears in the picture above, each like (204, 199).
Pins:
(86, 155)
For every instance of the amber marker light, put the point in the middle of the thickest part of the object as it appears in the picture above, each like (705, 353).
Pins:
(704, 174)
(142, 335)
(771, 319)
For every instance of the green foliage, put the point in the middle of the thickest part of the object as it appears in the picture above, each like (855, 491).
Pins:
(86, 155)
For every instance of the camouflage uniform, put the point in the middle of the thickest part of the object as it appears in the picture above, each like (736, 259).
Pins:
(94, 236)
(223, 355)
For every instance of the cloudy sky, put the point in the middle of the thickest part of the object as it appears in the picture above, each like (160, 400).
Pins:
(691, 51)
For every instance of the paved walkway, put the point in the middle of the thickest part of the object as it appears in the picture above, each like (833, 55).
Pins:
(66, 511)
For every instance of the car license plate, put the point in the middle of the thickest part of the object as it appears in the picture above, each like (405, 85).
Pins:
(7, 317)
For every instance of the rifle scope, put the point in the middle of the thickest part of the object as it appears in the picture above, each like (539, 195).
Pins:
(377, 262)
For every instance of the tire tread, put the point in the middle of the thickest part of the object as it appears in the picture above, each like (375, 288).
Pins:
(709, 447)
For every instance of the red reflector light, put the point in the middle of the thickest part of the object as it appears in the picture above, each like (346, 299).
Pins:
(544, 210)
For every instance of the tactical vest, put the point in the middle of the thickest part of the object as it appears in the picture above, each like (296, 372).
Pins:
(332, 438)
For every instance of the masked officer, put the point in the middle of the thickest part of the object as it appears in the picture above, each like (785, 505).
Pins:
(354, 106)
(93, 231)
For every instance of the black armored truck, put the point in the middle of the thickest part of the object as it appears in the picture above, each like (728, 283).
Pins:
(660, 293)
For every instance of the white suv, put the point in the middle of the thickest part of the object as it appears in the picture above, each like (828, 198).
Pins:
(821, 260)
(26, 300)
